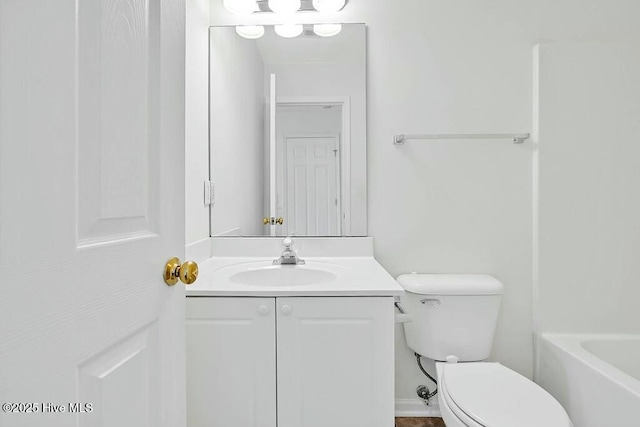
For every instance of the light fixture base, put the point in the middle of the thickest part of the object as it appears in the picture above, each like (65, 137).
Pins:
(305, 6)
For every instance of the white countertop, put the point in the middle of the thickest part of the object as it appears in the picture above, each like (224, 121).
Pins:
(358, 276)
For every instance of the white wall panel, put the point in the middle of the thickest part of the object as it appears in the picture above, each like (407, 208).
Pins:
(197, 119)
(589, 209)
(237, 134)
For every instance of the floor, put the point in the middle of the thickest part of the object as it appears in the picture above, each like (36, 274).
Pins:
(419, 422)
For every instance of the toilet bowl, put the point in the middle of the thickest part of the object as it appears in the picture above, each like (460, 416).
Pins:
(453, 320)
(490, 395)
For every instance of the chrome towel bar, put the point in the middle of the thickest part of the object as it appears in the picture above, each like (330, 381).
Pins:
(516, 138)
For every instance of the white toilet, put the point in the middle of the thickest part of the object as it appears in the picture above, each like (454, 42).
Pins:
(453, 322)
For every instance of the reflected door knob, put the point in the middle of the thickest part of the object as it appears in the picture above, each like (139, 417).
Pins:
(286, 310)
(187, 273)
(272, 220)
(263, 310)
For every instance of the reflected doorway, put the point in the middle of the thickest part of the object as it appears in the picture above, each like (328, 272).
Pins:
(309, 147)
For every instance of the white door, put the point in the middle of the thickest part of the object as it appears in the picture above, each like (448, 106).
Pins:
(270, 160)
(231, 362)
(313, 201)
(335, 362)
(91, 207)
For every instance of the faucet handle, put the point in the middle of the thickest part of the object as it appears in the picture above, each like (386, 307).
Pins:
(287, 243)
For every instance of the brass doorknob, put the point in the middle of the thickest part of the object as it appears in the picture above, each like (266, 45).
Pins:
(187, 273)
(272, 220)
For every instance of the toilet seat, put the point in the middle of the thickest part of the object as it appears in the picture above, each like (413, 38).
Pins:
(491, 395)
(457, 412)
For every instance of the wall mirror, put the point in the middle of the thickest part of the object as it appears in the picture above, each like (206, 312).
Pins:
(288, 132)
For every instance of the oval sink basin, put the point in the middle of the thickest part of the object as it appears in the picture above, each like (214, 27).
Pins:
(283, 275)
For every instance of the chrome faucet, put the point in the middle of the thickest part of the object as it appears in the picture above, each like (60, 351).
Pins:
(288, 255)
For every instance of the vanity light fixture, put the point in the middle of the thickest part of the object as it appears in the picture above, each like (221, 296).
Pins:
(288, 30)
(327, 30)
(328, 5)
(241, 7)
(284, 6)
(250, 31)
(245, 7)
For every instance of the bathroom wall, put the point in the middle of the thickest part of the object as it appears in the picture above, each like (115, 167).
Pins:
(461, 206)
(196, 119)
(589, 193)
(237, 134)
(308, 119)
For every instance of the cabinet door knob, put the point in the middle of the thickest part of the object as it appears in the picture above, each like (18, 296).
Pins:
(263, 310)
(286, 310)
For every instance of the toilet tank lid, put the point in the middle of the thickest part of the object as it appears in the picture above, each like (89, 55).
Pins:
(451, 284)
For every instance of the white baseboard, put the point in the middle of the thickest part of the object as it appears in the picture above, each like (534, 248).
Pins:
(416, 408)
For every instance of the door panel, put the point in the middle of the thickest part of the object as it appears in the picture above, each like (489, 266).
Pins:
(118, 86)
(116, 377)
(231, 364)
(335, 362)
(91, 110)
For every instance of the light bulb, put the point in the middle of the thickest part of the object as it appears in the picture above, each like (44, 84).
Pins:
(284, 6)
(328, 5)
(327, 30)
(288, 30)
(240, 7)
(250, 31)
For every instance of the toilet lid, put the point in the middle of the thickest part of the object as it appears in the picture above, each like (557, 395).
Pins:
(495, 396)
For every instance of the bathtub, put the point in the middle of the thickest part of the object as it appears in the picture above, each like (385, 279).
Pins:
(595, 377)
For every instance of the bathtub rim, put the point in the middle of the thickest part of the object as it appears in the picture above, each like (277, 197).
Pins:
(571, 345)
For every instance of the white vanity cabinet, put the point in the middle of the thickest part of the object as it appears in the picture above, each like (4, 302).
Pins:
(231, 358)
(290, 362)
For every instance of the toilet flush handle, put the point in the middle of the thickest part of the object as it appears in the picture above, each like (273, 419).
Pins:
(402, 316)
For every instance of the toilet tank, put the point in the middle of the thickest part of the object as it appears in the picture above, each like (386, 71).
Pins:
(452, 314)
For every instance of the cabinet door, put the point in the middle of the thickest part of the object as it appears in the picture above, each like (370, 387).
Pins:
(335, 362)
(231, 362)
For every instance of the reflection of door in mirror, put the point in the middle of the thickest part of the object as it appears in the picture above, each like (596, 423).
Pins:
(270, 158)
(308, 182)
